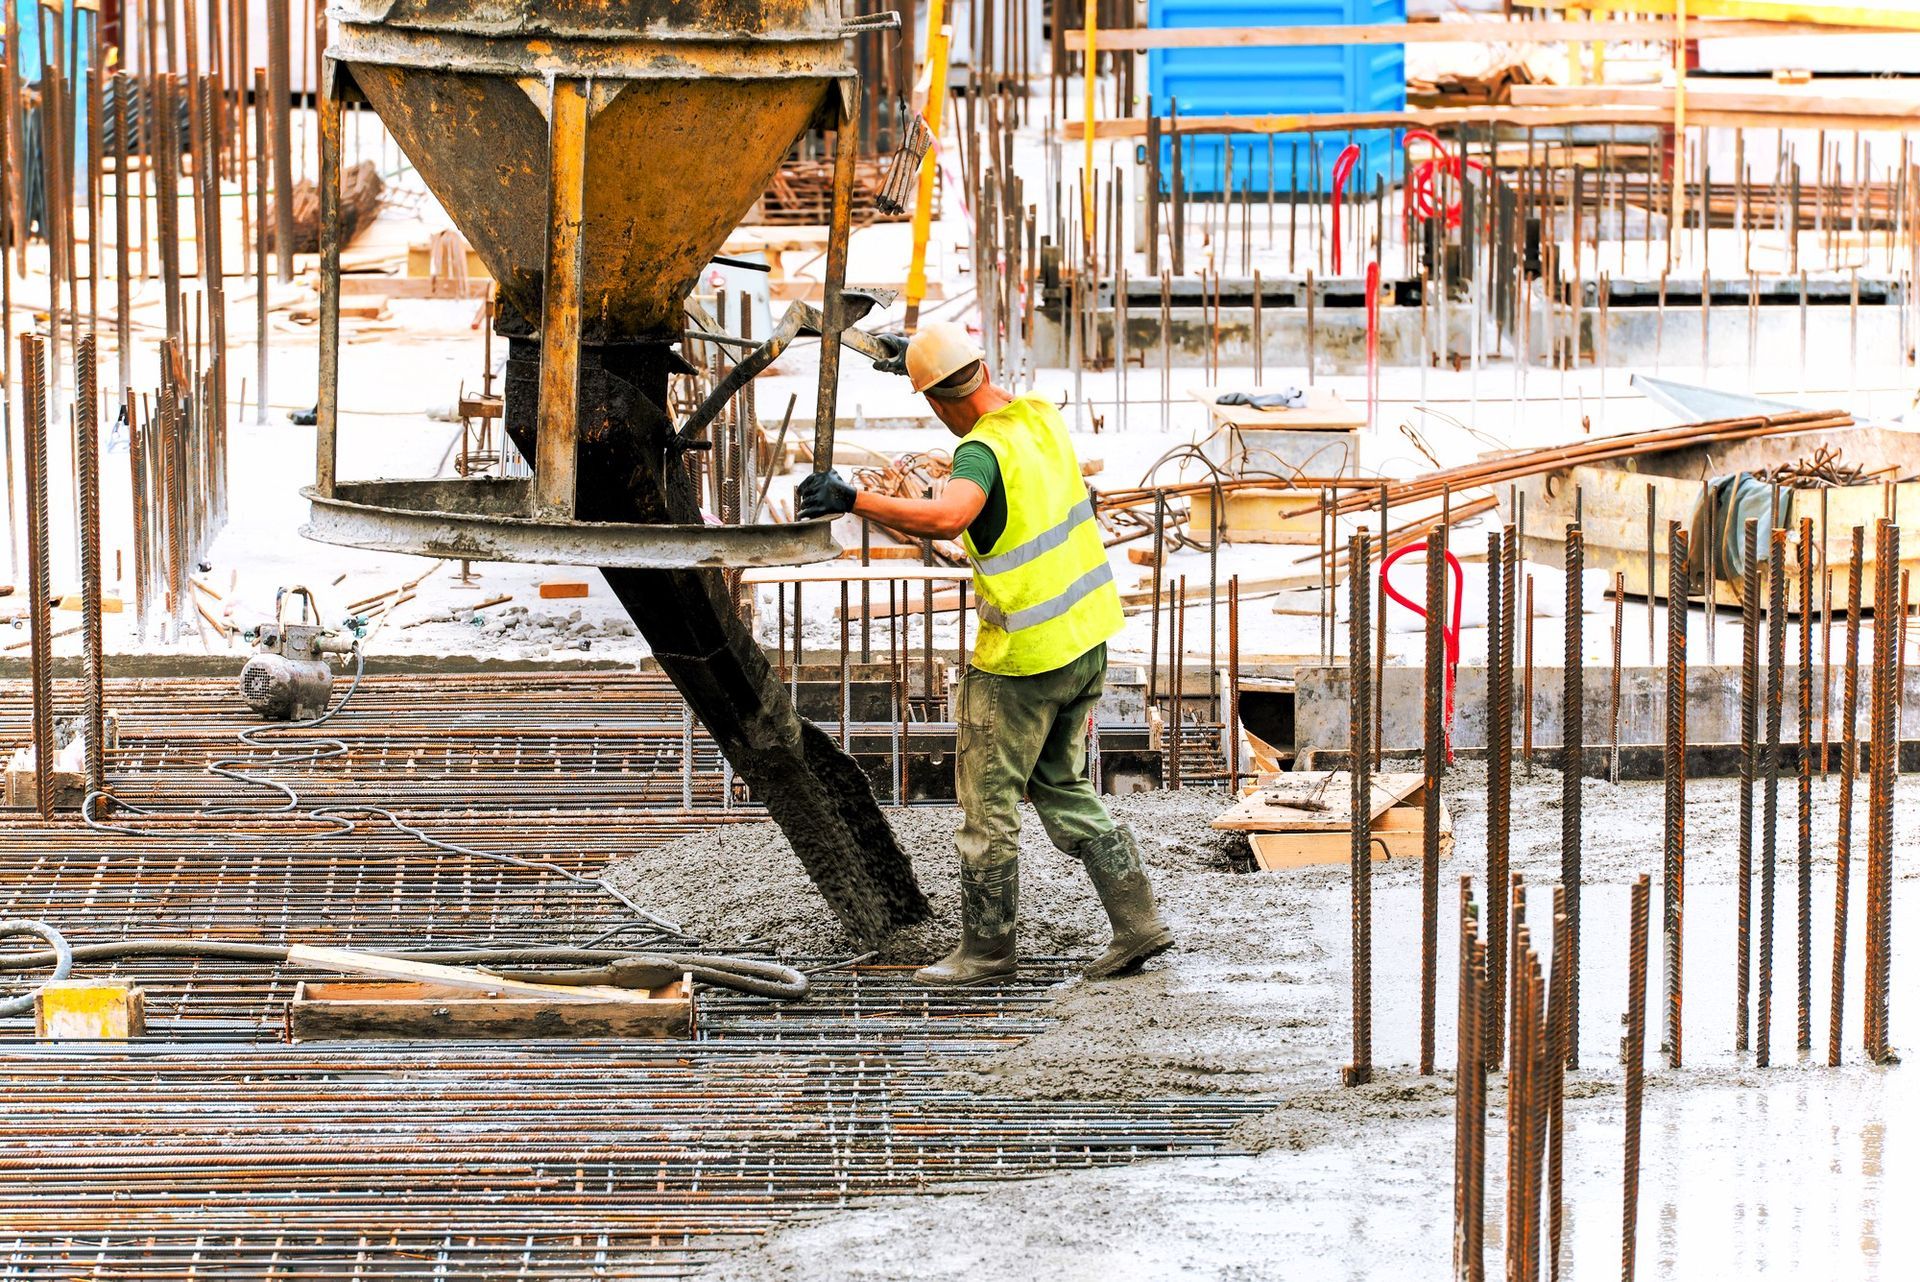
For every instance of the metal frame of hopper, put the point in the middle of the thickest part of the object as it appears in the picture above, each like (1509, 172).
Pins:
(533, 520)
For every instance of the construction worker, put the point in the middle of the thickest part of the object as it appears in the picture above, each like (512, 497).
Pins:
(1047, 607)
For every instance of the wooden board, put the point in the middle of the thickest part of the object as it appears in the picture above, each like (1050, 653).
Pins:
(1397, 834)
(414, 1009)
(1759, 100)
(89, 1010)
(1260, 516)
(1317, 801)
(452, 978)
(1325, 411)
(1484, 30)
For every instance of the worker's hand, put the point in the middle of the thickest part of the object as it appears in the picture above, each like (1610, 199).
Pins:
(825, 494)
(896, 345)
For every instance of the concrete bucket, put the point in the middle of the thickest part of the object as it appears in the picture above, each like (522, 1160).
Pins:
(596, 154)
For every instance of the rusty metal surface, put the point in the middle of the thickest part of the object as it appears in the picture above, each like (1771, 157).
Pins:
(459, 519)
(214, 1150)
(692, 109)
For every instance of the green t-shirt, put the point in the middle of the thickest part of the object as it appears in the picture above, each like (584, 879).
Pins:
(974, 461)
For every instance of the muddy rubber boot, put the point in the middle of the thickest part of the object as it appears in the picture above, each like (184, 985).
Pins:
(1113, 862)
(989, 900)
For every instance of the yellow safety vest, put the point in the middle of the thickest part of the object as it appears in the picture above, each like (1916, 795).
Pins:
(1046, 591)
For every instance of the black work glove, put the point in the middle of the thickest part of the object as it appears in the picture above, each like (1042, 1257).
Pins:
(896, 345)
(825, 494)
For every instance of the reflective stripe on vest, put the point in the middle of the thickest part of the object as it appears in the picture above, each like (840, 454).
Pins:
(1046, 591)
(1033, 615)
(1045, 541)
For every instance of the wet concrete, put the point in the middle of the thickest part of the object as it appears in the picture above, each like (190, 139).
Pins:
(1792, 1171)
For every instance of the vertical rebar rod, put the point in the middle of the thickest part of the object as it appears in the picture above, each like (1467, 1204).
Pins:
(1633, 1056)
(1499, 776)
(1359, 767)
(1770, 785)
(1849, 770)
(39, 570)
(1526, 724)
(1749, 759)
(1803, 871)
(1673, 893)
(1573, 745)
(1559, 1039)
(1885, 751)
(86, 413)
(1433, 708)
(1613, 705)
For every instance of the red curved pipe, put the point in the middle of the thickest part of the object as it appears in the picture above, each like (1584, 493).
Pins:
(1349, 157)
(1451, 632)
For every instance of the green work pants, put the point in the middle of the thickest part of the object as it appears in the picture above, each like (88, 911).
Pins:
(1027, 736)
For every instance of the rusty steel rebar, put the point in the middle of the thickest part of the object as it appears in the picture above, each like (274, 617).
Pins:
(1500, 619)
(1674, 828)
(1526, 463)
(1849, 770)
(1613, 705)
(1359, 767)
(1559, 1035)
(1572, 769)
(1525, 1057)
(93, 651)
(1885, 749)
(1434, 718)
(1526, 689)
(1770, 796)
(1470, 1097)
(39, 570)
(1749, 754)
(1803, 872)
(1633, 1057)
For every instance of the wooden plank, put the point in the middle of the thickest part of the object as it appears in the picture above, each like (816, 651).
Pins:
(1489, 31)
(1316, 801)
(854, 572)
(412, 1010)
(1455, 117)
(1769, 100)
(89, 1009)
(1325, 411)
(1397, 834)
(349, 962)
(414, 286)
(1808, 13)
(1260, 516)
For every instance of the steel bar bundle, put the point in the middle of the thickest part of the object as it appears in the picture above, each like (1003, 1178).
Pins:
(1600, 450)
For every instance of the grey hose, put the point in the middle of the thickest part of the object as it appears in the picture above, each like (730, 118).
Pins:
(742, 974)
(61, 956)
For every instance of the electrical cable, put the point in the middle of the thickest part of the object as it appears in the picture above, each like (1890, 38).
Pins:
(59, 954)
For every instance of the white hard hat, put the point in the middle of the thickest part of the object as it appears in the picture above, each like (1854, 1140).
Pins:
(939, 351)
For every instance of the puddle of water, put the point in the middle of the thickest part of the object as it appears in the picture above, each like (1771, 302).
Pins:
(1795, 1171)
(1708, 945)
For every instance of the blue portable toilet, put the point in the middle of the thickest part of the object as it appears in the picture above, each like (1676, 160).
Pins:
(1243, 81)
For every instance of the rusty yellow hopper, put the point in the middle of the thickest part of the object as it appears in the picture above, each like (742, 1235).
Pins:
(596, 154)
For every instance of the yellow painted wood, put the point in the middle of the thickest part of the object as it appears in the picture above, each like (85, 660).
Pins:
(939, 42)
(94, 1010)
